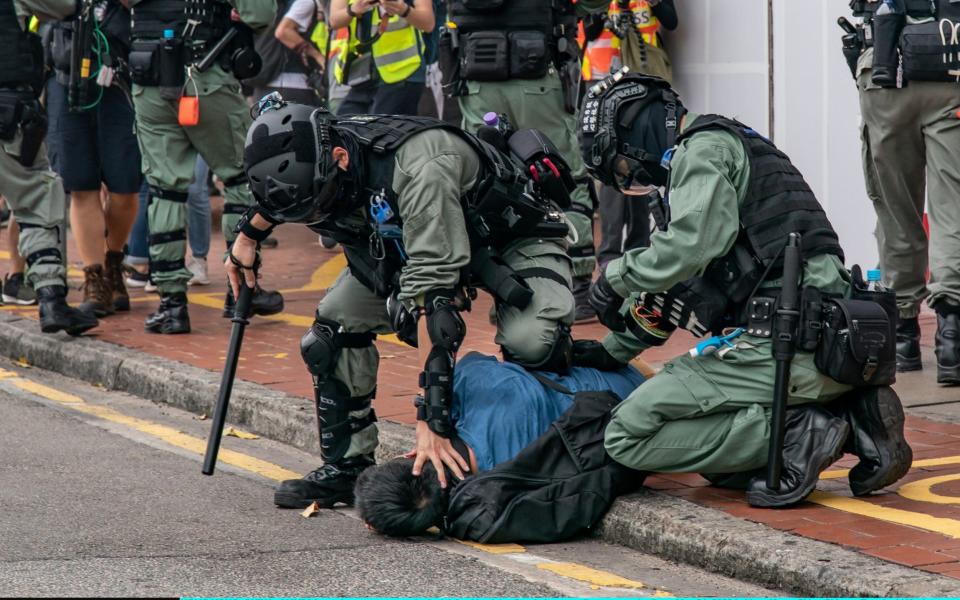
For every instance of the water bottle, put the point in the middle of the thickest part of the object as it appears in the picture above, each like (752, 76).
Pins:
(873, 281)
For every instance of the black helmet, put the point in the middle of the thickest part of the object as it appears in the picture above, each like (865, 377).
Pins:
(628, 123)
(288, 161)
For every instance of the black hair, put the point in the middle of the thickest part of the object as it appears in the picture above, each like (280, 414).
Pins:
(395, 502)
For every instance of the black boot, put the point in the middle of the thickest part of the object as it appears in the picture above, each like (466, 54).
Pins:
(327, 485)
(584, 313)
(262, 303)
(812, 442)
(875, 416)
(57, 315)
(171, 317)
(908, 345)
(948, 347)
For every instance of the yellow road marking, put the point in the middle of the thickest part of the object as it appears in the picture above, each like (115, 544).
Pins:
(921, 491)
(324, 276)
(943, 526)
(278, 355)
(161, 432)
(593, 577)
(493, 548)
(917, 464)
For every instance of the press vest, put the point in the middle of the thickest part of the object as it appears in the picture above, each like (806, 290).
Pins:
(208, 20)
(21, 53)
(602, 56)
(397, 52)
(501, 179)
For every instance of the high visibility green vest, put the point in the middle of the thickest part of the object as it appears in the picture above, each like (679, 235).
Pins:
(397, 53)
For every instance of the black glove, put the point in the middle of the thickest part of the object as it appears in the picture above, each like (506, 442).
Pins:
(592, 354)
(607, 303)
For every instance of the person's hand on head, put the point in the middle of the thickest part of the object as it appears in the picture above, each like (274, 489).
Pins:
(439, 451)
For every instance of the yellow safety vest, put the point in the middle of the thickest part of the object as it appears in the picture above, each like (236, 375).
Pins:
(397, 53)
(602, 56)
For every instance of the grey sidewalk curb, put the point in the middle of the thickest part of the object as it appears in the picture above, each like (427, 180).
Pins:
(649, 521)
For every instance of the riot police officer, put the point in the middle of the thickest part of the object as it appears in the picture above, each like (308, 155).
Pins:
(185, 60)
(520, 58)
(733, 198)
(422, 210)
(33, 191)
(911, 132)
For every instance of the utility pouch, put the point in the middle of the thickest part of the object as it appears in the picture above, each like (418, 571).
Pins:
(737, 273)
(570, 77)
(502, 213)
(485, 56)
(358, 69)
(927, 54)
(500, 279)
(529, 54)
(171, 65)
(856, 346)
(144, 62)
(811, 319)
(11, 112)
(33, 126)
(543, 160)
(448, 58)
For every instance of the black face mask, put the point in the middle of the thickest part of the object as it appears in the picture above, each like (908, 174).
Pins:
(643, 130)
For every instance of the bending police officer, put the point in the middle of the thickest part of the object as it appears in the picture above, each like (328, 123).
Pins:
(733, 199)
(182, 112)
(34, 192)
(422, 210)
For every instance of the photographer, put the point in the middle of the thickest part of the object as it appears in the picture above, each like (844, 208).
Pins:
(383, 61)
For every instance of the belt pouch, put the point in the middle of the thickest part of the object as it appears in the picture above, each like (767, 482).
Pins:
(144, 62)
(171, 76)
(528, 54)
(485, 56)
(856, 347)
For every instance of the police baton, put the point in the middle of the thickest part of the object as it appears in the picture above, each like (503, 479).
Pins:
(240, 314)
(784, 348)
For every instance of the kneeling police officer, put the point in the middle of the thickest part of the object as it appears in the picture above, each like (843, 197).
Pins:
(716, 263)
(423, 211)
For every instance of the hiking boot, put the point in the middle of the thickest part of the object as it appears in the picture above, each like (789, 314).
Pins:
(583, 312)
(908, 345)
(16, 290)
(172, 316)
(56, 315)
(262, 303)
(326, 485)
(875, 416)
(813, 441)
(947, 348)
(113, 271)
(97, 294)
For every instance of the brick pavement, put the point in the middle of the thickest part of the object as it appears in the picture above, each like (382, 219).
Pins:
(915, 524)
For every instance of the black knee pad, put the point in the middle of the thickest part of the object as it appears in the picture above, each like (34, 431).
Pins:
(320, 345)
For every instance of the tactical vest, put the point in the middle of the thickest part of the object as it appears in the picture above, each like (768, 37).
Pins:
(497, 210)
(778, 202)
(196, 21)
(918, 9)
(21, 52)
(512, 15)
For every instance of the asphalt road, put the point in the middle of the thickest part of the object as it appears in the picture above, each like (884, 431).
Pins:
(101, 494)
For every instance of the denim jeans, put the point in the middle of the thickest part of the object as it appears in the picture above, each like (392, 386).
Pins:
(198, 211)
(137, 249)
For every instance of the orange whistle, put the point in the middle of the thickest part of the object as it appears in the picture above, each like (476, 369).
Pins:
(189, 113)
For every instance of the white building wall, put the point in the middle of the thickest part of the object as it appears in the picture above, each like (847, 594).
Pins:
(722, 64)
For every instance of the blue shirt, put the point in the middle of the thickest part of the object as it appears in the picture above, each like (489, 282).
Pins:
(499, 408)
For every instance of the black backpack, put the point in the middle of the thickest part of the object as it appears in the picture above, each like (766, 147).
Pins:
(557, 487)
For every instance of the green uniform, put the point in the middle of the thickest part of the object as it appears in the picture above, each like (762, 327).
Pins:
(170, 154)
(433, 170)
(911, 137)
(35, 194)
(710, 413)
(538, 104)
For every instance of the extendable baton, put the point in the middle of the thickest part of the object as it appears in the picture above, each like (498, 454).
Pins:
(784, 348)
(240, 314)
